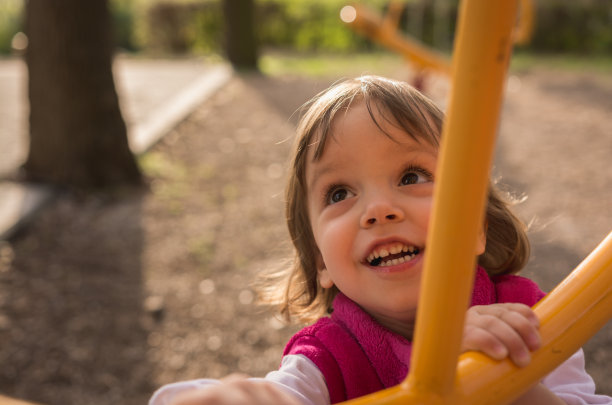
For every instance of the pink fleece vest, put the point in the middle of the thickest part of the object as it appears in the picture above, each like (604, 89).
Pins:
(358, 356)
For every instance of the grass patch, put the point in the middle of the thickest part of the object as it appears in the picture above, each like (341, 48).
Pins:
(155, 164)
(523, 61)
(330, 65)
(387, 63)
(202, 248)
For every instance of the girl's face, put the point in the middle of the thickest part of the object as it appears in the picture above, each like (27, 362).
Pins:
(369, 201)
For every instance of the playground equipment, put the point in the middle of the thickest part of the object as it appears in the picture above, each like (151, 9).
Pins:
(572, 313)
(384, 30)
(522, 33)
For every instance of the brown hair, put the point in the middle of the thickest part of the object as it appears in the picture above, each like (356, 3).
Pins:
(300, 295)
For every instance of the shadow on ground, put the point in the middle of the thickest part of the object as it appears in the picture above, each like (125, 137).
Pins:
(73, 326)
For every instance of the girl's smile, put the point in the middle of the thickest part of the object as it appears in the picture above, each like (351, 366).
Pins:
(392, 254)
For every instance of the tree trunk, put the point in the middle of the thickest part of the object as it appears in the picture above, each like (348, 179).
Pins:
(240, 41)
(77, 135)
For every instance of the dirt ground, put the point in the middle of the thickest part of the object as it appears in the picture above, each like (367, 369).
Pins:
(103, 299)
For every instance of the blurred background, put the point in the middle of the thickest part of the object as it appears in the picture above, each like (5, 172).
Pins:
(143, 151)
(183, 27)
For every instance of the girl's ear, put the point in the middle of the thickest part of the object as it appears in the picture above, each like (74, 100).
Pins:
(323, 275)
(325, 279)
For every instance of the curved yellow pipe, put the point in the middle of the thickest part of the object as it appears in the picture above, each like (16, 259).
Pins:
(385, 32)
(571, 314)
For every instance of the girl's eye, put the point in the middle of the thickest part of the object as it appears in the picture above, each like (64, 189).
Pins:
(337, 194)
(415, 176)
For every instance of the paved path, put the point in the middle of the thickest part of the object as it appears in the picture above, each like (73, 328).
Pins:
(13, 114)
(154, 95)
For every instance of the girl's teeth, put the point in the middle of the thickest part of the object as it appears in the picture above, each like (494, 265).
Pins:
(393, 262)
(377, 258)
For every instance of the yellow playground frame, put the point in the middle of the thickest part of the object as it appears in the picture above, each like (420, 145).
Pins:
(385, 31)
(571, 314)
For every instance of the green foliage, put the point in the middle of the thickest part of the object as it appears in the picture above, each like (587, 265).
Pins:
(524, 61)
(308, 25)
(185, 26)
(10, 23)
(123, 13)
(207, 28)
(171, 26)
(314, 25)
(583, 26)
(319, 64)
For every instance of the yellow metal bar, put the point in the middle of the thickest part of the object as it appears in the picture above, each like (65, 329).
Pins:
(385, 32)
(570, 315)
(392, 17)
(480, 61)
(524, 30)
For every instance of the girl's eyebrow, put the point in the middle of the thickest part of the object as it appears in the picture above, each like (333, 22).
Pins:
(320, 171)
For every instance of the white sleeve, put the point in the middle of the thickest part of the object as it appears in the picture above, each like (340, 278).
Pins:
(297, 375)
(573, 384)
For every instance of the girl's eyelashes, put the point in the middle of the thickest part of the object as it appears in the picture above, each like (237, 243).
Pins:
(336, 193)
(415, 175)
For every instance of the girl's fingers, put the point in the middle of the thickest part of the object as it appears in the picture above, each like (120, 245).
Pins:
(512, 341)
(524, 327)
(482, 340)
(234, 377)
(498, 340)
(236, 390)
(503, 330)
(526, 311)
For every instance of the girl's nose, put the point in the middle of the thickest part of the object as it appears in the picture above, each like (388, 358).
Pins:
(380, 212)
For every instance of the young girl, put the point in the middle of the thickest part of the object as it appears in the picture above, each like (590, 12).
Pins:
(358, 204)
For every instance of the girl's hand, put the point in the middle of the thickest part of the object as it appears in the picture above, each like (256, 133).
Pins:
(502, 330)
(237, 390)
